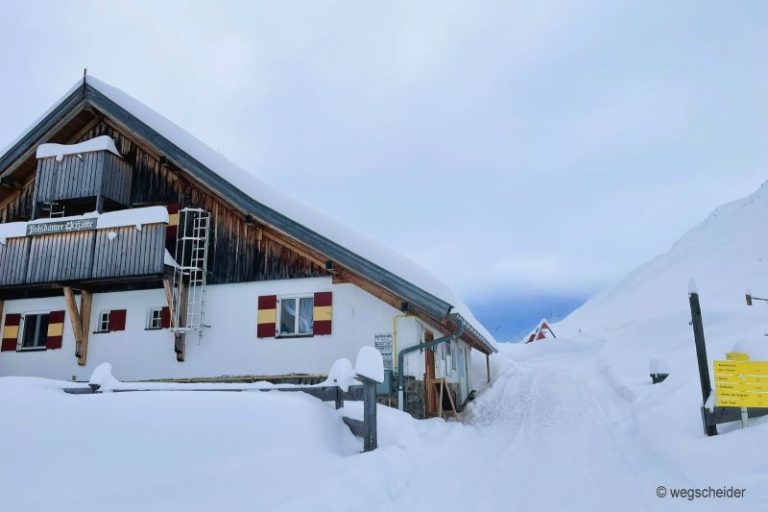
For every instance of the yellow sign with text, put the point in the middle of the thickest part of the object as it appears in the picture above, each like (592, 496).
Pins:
(741, 383)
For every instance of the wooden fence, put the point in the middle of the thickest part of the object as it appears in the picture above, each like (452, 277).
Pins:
(365, 428)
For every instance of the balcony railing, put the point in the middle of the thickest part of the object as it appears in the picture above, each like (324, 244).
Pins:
(127, 243)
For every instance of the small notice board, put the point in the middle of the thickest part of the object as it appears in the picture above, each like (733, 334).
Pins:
(741, 383)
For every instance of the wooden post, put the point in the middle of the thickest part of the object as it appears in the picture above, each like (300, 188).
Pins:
(339, 402)
(168, 287)
(86, 299)
(370, 435)
(701, 356)
(179, 336)
(488, 366)
(74, 319)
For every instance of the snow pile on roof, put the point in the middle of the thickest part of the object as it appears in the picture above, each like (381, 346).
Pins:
(12, 230)
(133, 216)
(276, 200)
(102, 143)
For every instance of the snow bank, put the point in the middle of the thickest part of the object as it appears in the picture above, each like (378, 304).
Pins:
(173, 451)
(102, 143)
(102, 378)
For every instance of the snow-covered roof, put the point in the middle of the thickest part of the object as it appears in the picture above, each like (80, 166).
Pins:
(542, 331)
(256, 190)
(102, 143)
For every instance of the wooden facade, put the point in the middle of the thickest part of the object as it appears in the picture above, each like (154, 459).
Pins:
(14, 255)
(239, 252)
(127, 251)
(124, 251)
(60, 257)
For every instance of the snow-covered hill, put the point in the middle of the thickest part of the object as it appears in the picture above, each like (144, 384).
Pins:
(727, 255)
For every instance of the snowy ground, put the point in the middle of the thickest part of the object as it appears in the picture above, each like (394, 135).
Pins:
(560, 428)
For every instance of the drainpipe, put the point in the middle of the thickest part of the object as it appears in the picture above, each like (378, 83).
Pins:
(423, 346)
(394, 338)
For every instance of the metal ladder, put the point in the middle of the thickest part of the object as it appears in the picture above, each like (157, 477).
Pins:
(54, 209)
(192, 270)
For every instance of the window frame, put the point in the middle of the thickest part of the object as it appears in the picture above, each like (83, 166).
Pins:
(100, 329)
(148, 326)
(279, 313)
(23, 328)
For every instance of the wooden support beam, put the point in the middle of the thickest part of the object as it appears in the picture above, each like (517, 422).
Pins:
(86, 300)
(74, 319)
(179, 344)
(168, 288)
(488, 366)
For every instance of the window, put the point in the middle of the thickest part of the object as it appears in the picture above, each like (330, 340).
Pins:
(295, 316)
(103, 322)
(155, 318)
(35, 331)
(111, 321)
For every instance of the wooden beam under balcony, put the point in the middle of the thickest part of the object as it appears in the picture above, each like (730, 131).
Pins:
(80, 320)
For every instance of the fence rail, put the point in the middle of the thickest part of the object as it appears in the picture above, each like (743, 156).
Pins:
(366, 393)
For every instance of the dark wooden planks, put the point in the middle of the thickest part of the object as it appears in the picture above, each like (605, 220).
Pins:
(236, 253)
(13, 260)
(60, 257)
(128, 251)
(84, 175)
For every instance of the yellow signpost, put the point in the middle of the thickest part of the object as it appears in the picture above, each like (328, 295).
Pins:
(741, 383)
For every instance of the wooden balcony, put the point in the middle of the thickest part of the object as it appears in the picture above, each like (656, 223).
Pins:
(70, 175)
(127, 245)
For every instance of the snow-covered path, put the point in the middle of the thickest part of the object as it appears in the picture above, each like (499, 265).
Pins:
(552, 430)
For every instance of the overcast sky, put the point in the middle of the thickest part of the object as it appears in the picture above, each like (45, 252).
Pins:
(515, 148)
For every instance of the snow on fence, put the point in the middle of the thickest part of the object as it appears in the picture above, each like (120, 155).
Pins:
(343, 383)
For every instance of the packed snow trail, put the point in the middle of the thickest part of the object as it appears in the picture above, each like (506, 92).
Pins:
(551, 432)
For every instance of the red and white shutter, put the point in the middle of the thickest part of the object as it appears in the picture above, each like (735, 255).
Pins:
(10, 332)
(323, 313)
(266, 317)
(55, 329)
